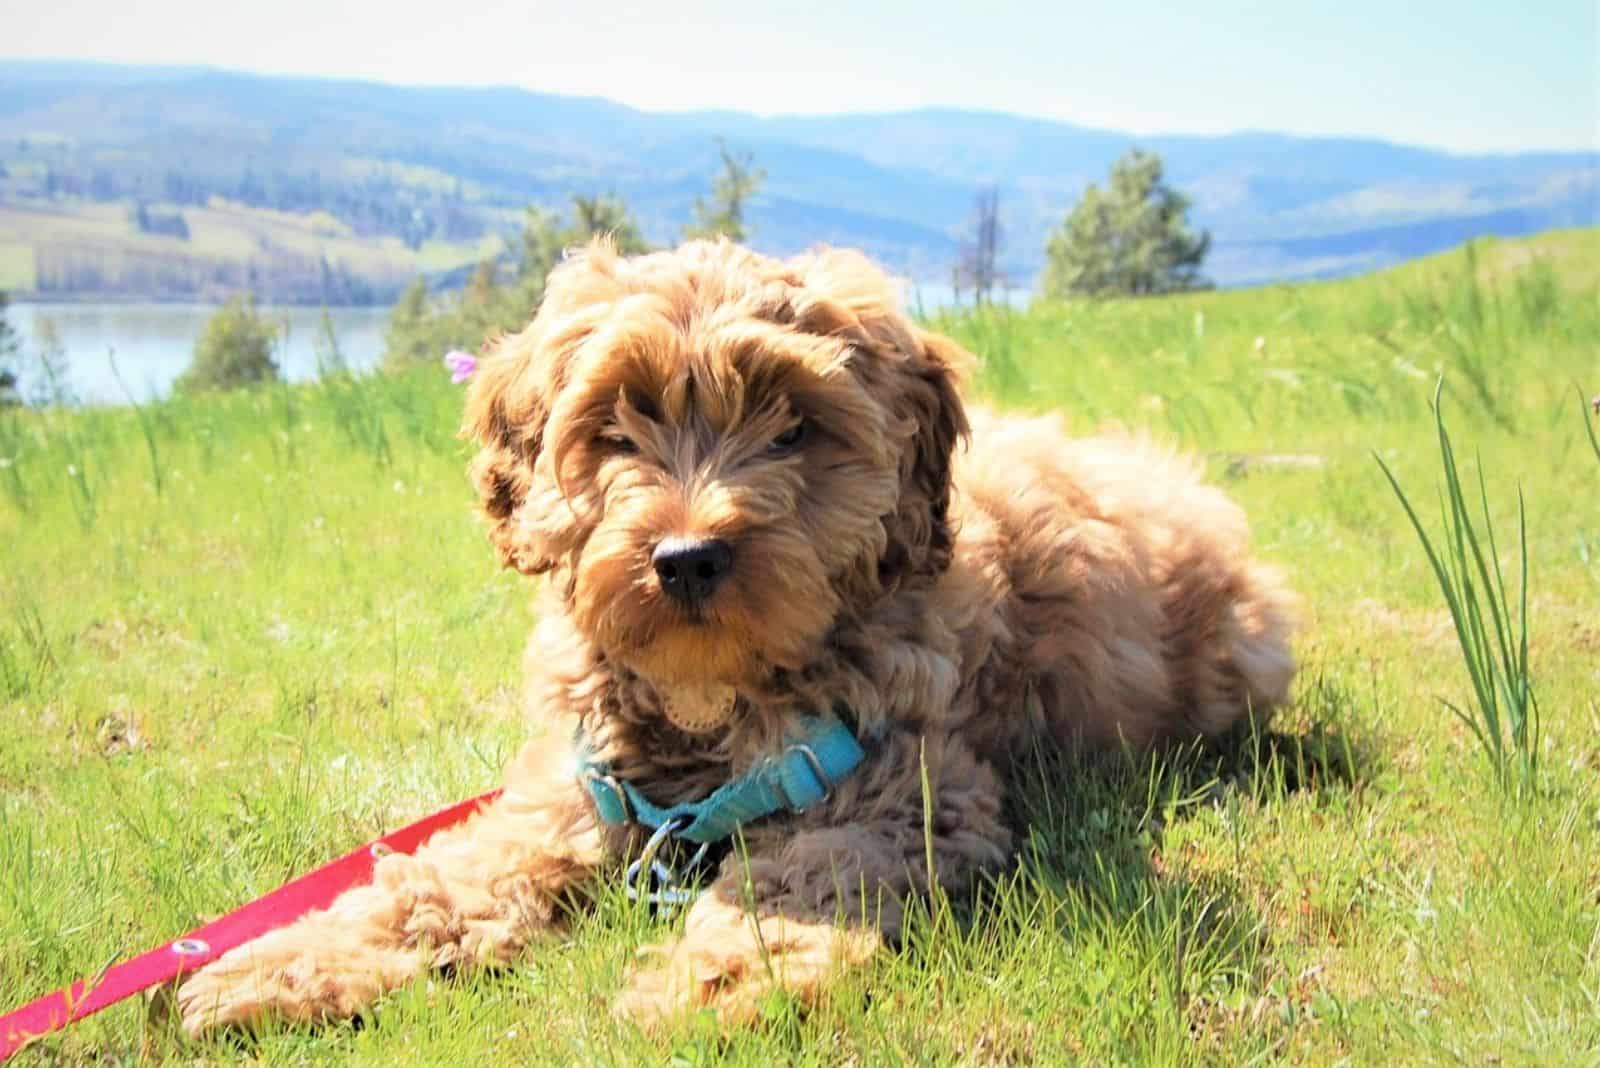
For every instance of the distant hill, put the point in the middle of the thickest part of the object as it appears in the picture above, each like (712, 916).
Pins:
(411, 179)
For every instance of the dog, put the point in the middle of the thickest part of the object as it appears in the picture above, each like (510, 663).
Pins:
(762, 504)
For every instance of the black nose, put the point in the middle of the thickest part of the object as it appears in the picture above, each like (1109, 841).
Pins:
(690, 568)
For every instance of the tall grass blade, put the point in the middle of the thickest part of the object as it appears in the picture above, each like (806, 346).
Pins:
(1504, 715)
(146, 429)
(1588, 421)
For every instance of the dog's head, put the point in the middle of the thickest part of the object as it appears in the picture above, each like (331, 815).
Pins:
(719, 454)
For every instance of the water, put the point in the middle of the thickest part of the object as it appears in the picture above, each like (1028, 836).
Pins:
(930, 298)
(154, 343)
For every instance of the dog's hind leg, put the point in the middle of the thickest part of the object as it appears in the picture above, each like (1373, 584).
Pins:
(809, 899)
(475, 894)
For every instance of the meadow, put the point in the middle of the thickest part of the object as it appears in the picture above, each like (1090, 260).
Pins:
(64, 249)
(241, 635)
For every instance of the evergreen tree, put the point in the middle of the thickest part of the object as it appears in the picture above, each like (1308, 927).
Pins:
(419, 333)
(545, 237)
(1131, 239)
(10, 345)
(409, 338)
(724, 214)
(482, 308)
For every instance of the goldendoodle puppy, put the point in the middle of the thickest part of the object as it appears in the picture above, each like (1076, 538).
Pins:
(779, 570)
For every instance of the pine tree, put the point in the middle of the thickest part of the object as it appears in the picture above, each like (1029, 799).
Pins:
(409, 338)
(545, 237)
(10, 345)
(420, 332)
(1132, 239)
(724, 214)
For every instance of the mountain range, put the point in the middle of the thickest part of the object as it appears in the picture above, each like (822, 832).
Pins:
(447, 168)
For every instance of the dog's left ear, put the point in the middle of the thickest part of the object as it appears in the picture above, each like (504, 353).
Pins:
(916, 376)
(928, 394)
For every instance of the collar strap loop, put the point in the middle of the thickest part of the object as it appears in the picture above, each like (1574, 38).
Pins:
(821, 752)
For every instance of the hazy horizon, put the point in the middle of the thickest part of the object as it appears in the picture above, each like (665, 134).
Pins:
(1432, 74)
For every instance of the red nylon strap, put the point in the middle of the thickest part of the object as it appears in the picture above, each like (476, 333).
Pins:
(164, 963)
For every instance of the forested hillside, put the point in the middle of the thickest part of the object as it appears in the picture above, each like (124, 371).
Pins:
(176, 182)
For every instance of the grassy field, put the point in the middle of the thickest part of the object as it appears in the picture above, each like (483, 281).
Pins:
(279, 253)
(243, 635)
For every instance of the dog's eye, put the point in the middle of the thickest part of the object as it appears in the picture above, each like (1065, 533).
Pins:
(615, 442)
(789, 440)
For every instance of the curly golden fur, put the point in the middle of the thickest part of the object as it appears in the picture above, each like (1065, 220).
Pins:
(954, 602)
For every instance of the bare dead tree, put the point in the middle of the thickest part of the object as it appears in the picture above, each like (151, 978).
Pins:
(979, 253)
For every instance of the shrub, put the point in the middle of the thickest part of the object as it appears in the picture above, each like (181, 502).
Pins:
(234, 350)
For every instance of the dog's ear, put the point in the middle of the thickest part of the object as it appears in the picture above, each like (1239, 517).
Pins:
(928, 394)
(916, 375)
(506, 415)
(508, 409)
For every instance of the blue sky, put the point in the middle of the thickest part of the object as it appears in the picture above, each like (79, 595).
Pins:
(1470, 75)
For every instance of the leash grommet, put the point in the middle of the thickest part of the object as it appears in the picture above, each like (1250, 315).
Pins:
(379, 851)
(190, 947)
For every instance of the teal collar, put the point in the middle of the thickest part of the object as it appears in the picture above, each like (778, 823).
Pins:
(821, 751)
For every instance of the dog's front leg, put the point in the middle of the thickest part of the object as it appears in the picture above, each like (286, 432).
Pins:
(475, 894)
(826, 892)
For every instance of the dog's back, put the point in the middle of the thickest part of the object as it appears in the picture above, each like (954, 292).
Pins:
(1105, 593)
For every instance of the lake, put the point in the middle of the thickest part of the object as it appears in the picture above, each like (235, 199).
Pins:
(153, 343)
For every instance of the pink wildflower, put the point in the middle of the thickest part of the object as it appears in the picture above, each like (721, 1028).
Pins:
(461, 365)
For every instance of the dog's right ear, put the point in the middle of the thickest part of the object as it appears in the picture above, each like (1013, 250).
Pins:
(509, 402)
(506, 415)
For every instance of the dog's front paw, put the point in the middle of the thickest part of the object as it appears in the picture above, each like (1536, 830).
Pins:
(292, 975)
(731, 962)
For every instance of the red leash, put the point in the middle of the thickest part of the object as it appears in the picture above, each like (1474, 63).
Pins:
(205, 944)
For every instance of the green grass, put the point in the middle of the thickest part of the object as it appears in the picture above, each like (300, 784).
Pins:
(1504, 715)
(242, 635)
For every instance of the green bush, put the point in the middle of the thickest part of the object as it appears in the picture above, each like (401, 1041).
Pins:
(234, 350)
